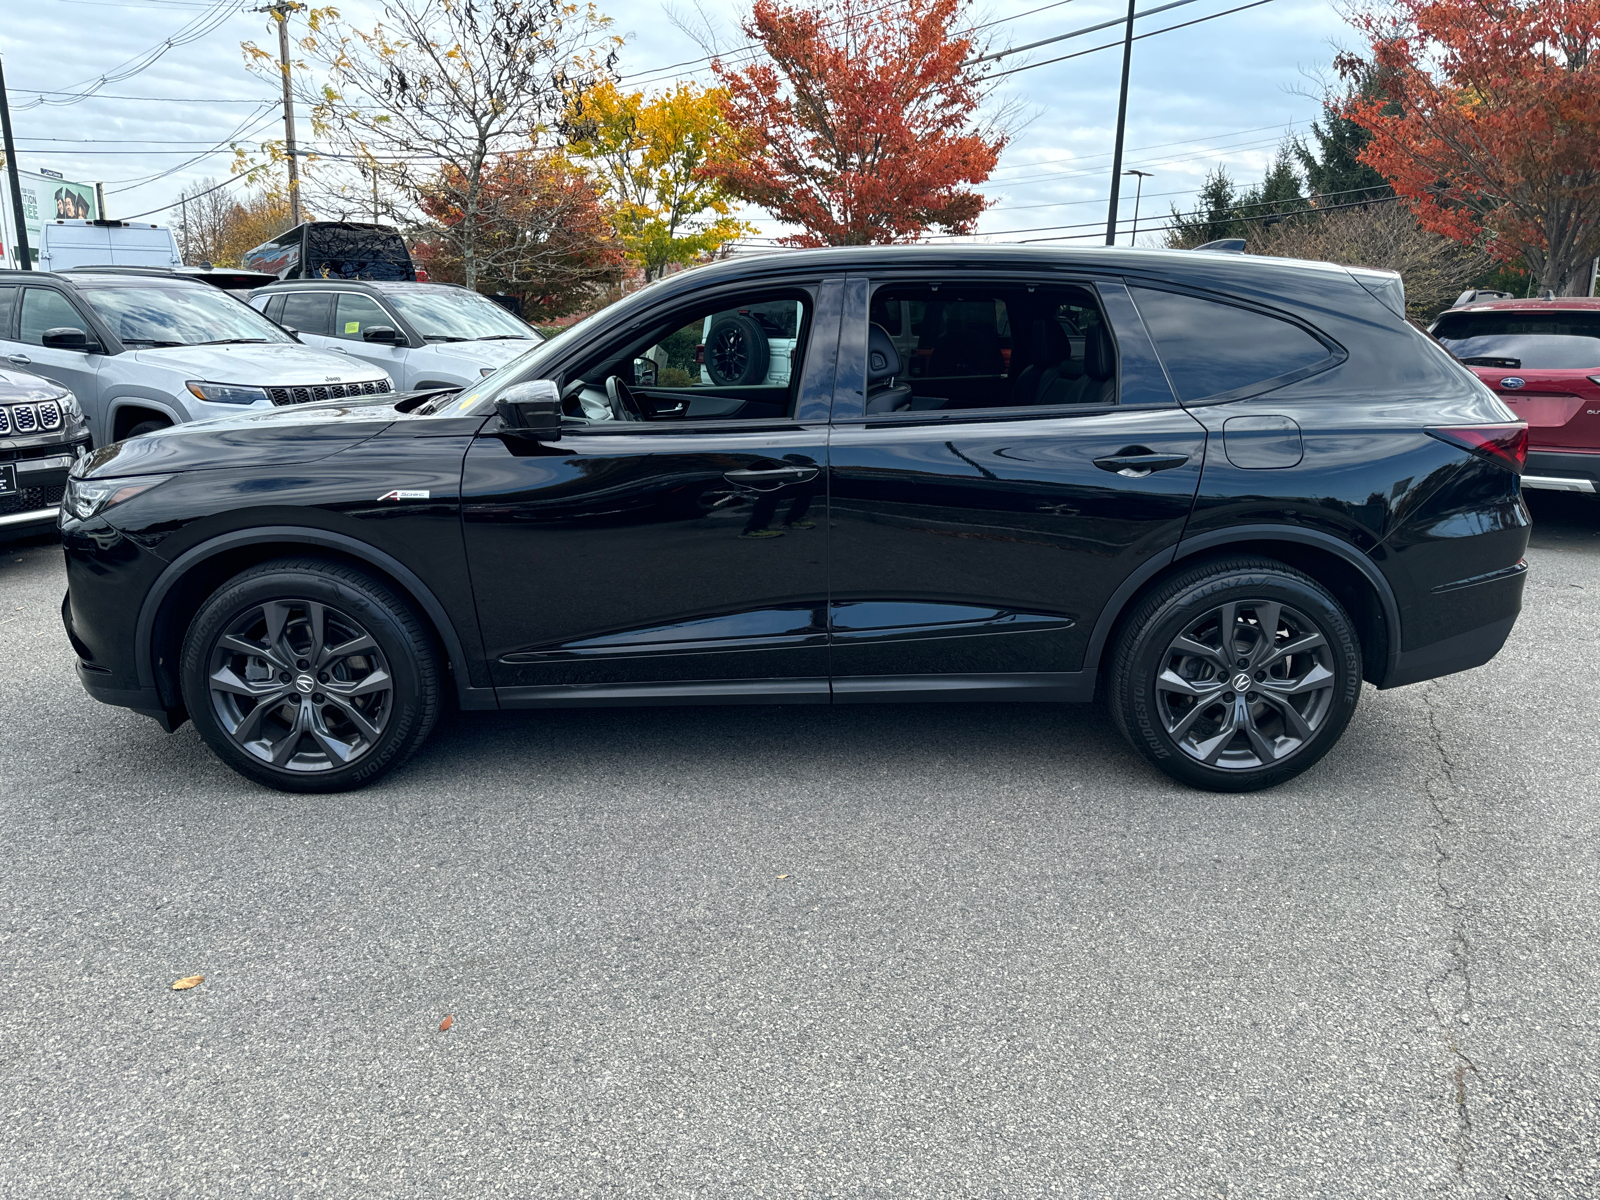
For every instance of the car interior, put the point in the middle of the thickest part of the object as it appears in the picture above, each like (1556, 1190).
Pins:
(1005, 346)
(739, 361)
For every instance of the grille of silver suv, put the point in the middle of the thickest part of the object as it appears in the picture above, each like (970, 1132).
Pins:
(330, 391)
(29, 418)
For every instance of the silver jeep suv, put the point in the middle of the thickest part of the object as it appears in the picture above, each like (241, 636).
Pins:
(144, 351)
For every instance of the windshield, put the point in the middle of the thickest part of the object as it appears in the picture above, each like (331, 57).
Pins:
(180, 316)
(1516, 339)
(455, 314)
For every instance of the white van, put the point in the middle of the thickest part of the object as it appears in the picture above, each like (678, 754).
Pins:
(67, 244)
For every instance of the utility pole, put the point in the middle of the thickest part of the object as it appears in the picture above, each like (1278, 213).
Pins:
(1138, 192)
(24, 254)
(1122, 120)
(280, 13)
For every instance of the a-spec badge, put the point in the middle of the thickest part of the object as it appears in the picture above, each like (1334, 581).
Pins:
(404, 494)
(1512, 382)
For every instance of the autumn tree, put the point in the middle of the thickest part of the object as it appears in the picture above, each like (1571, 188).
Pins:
(1486, 118)
(650, 159)
(440, 91)
(861, 122)
(541, 233)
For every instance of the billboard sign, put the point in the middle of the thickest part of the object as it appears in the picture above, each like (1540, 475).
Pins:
(43, 199)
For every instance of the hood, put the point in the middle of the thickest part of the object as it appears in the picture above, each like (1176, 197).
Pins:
(267, 364)
(468, 357)
(273, 437)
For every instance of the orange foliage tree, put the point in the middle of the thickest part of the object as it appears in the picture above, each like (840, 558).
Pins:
(861, 123)
(1485, 116)
(540, 232)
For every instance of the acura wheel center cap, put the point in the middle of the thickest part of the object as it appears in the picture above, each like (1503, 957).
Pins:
(305, 685)
(1241, 682)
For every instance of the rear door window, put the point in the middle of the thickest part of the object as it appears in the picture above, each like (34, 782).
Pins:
(1212, 349)
(943, 347)
(8, 302)
(308, 312)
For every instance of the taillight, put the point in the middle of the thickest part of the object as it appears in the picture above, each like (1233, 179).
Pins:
(1505, 444)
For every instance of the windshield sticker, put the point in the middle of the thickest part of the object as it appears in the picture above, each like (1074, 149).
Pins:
(403, 494)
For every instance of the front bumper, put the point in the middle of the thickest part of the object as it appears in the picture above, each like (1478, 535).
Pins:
(40, 483)
(1562, 471)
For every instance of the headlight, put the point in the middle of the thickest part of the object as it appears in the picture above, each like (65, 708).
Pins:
(227, 393)
(85, 498)
(72, 409)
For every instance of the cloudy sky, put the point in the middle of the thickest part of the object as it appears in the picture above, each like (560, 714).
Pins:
(1225, 91)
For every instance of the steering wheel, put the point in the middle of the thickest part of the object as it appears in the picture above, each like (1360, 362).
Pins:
(624, 404)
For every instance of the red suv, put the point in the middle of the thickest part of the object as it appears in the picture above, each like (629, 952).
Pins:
(1542, 357)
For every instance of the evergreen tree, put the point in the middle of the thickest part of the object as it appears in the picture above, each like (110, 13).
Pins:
(1214, 215)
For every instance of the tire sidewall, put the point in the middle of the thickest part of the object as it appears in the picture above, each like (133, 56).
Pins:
(755, 369)
(1138, 701)
(366, 605)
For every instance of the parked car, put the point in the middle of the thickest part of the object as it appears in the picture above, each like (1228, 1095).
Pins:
(42, 433)
(66, 244)
(1542, 357)
(142, 351)
(1219, 490)
(334, 250)
(425, 335)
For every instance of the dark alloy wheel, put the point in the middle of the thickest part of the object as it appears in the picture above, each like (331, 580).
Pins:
(1237, 675)
(309, 676)
(736, 351)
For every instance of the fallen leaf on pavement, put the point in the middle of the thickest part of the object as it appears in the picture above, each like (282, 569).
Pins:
(187, 982)
(446, 1023)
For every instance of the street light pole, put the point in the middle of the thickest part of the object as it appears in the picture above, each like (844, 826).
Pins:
(1122, 120)
(24, 254)
(1138, 192)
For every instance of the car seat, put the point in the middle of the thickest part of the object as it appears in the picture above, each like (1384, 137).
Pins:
(1097, 383)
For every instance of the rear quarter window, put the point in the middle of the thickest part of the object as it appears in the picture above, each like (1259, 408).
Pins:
(1213, 349)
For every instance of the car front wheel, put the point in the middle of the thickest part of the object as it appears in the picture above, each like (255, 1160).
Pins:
(1236, 675)
(310, 676)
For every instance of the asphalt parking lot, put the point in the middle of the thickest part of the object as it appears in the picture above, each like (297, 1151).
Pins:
(894, 951)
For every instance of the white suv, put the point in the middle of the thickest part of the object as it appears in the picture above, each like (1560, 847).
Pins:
(425, 335)
(144, 351)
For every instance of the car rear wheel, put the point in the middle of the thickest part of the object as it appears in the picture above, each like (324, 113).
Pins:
(310, 676)
(1236, 675)
(144, 427)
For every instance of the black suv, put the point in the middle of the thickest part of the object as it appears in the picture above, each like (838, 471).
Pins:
(1219, 491)
(42, 433)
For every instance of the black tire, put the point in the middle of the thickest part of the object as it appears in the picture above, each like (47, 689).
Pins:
(1172, 699)
(334, 712)
(736, 351)
(144, 427)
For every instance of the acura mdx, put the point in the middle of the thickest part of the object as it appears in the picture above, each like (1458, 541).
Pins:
(1216, 491)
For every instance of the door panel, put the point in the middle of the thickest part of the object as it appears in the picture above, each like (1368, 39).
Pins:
(611, 558)
(1011, 520)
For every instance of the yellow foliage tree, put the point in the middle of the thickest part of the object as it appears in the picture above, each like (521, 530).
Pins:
(649, 157)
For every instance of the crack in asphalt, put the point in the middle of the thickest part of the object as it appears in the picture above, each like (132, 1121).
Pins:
(1450, 991)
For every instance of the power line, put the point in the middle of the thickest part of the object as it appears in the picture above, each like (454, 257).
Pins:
(238, 134)
(1137, 38)
(229, 182)
(207, 22)
(1061, 37)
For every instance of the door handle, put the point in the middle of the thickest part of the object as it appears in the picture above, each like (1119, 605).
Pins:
(766, 479)
(1136, 462)
(19, 360)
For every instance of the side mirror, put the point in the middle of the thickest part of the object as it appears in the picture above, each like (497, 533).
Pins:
(67, 338)
(644, 372)
(388, 335)
(532, 410)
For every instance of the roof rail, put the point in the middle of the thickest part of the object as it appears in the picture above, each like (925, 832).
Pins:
(1224, 246)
